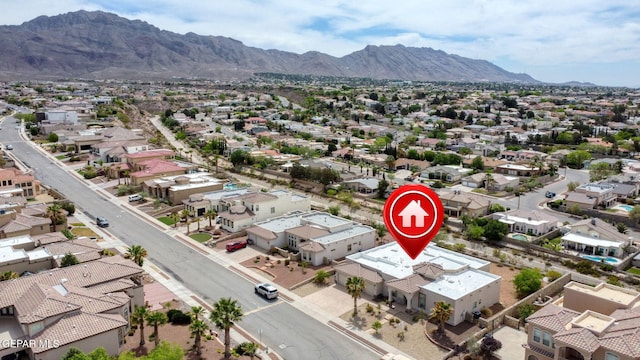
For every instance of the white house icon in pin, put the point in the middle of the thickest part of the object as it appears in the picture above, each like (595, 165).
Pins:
(413, 209)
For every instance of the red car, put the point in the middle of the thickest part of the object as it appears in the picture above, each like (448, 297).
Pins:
(236, 245)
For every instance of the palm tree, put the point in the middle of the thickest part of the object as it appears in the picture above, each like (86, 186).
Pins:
(54, 212)
(9, 275)
(175, 218)
(137, 318)
(210, 214)
(137, 253)
(196, 311)
(441, 313)
(488, 181)
(156, 319)
(355, 286)
(250, 349)
(224, 314)
(198, 328)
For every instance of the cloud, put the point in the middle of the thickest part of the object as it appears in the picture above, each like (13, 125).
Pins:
(536, 35)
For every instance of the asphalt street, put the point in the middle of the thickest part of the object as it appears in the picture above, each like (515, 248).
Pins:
(286, 329)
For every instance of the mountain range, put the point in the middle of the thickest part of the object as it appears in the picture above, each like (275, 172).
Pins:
(101, 45)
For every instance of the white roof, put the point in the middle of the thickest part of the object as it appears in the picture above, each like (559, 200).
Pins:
(589, 241)
(39, 254)
(390, 259)
(16, 240)
(345, 234)
(9, 254)
(456, 285)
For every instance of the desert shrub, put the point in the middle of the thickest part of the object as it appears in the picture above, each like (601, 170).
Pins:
(178, 317)
(486, 312)
(553, 275)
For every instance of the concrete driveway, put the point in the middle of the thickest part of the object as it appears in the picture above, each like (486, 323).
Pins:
(512, 341)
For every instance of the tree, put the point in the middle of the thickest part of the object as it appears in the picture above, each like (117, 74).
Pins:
(138, 317)
(497, 208)
(576, 159)
(390, 161)
(198, 329)
(382, 188)
(599, 171)
(321, 277)
(622, 228)
(175, 217)
(53, 137)
(156, 319)
(495, 230)
(574, 209)
(226, 312)
(488, 181)
(528, 281)
(464, 151)
(634, 214)
(75, 354)
(355, 286)
(572, 185)
(69, 259)
(474, 232)
(238, 157)
(477, 163)
(441, 313)
(137, 253)
(334, 210)
(55, 213)
(210, 215)
(196, 311)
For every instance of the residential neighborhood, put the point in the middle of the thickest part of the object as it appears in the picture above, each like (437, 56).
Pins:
(124, 196)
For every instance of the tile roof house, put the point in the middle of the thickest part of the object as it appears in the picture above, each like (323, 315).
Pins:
(599, 322)
(532, 222)
(595, 237)
(320, 237)
(457, 203)
(241, 211)
(70, 307)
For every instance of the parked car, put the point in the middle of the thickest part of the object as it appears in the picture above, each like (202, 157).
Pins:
(266, 290)
(550, 194)
(236, 245)
(102, 222)
(9, 147)
(135, 197)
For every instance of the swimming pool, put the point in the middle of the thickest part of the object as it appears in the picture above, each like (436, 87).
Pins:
(520, 237)
(607, 259)
(229, 186)
(626, 207)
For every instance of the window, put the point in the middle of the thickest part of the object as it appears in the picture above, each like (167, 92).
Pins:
(475, 304)
(422, 301)
(611, 356)
(349, 247)
(537, 334)
(546, 339)
(257, 207)
(273, 210)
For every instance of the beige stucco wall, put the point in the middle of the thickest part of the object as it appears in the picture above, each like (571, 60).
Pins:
(108, 340)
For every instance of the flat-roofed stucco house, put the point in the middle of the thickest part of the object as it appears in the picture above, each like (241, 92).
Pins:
(83, 306)
(435, 275)
(599, 322)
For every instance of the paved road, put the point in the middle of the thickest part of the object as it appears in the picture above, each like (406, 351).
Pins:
(286, 329)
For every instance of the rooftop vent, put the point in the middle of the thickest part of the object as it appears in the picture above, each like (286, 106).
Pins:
(593, 221)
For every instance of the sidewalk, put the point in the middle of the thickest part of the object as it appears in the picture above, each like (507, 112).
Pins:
(327, 315)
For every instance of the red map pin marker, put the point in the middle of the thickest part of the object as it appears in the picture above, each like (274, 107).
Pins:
(413, 214)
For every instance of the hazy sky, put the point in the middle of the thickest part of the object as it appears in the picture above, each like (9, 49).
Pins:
(594, 41)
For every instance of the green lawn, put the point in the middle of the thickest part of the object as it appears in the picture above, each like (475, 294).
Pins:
(201, 237)
(60, 157)
(634, 270)
(166, 220)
